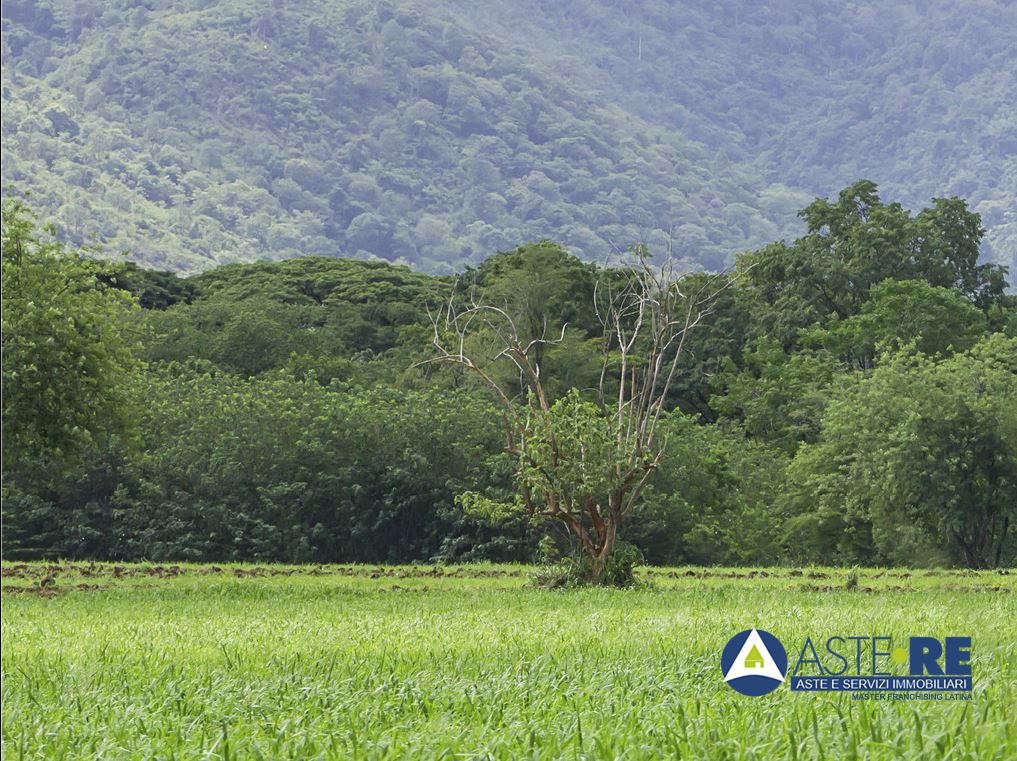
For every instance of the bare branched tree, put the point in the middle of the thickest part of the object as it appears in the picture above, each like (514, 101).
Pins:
(585, 458)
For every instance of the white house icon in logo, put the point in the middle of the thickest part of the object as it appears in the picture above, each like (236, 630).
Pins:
(753, 660)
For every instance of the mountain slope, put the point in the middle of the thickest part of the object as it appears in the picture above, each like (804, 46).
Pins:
(917, 95)
(191, 134)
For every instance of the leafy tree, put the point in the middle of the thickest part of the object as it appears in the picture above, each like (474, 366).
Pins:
(935, 320)
(922, 454)
(275, 468)
(281, 412)
(779, 398)
(579, 462)
(853, 245)
(709, 351)
(151, 288)
(69, 512)
(538, 285)
(68, 350)
(868, 277)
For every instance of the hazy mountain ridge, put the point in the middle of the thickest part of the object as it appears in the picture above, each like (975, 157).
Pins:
(917, 96)
(199, 134)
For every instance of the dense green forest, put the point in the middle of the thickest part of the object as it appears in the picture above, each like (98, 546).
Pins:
(194, 134)
(851, 398)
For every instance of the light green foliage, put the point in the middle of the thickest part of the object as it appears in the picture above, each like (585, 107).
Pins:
(422, 662)
(312, 314)
(575, 462)
(538, 283)
(835, 92)
(68, 361)
(571, 453)
(543, 288)
(483, 508)
(236, 132)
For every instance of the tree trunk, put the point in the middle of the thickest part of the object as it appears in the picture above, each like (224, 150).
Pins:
(1002, 539)
(599, 558)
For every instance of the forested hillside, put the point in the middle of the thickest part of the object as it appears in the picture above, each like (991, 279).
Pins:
(192, 134)
(915, 95)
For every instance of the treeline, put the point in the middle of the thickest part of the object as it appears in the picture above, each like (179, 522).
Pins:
(851, 398)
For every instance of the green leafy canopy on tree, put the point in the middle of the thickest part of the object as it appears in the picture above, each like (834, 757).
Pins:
(68, 348)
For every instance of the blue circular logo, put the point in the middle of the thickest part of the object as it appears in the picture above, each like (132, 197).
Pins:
(753, 662)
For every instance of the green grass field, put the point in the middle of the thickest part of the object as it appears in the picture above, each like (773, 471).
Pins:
(238, 662)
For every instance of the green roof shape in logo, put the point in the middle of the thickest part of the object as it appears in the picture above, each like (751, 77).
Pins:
(754, 660)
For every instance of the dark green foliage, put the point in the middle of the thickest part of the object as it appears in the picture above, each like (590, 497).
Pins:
(309, 315)
(868, 277)
(853, 245)
(152, 289)
(537, 284)
(712, 500)
(717, 342)
(919, 461)
(900, 313)
(778, 397)
(69, 514)
(273, 469)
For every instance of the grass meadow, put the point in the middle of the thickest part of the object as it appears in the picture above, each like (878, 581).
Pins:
(245, 662)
